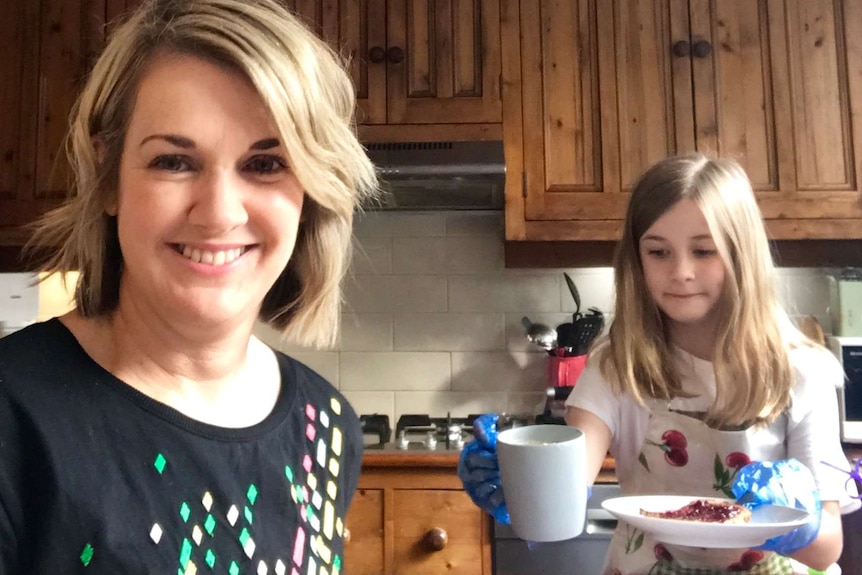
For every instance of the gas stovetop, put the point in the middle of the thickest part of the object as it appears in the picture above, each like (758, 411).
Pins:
(422, 432)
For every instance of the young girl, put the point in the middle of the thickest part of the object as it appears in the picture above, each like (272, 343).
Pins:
(701, 374)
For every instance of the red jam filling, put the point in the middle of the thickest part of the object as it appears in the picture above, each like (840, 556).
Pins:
(701, 510)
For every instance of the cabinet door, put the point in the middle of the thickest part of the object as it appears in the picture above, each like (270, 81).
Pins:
(443, 62)
(44, 59)
(363, 550)
(437, 531)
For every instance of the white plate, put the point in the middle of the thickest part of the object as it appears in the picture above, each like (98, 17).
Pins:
(767, 521)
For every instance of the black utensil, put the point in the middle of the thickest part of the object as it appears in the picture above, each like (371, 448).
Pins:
(587, 328)
(575, 295)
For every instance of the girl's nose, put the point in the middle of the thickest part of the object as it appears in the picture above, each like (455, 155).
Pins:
(218, 204)
(683, 267)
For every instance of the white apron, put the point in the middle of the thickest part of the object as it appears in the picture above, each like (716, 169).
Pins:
(683, 456)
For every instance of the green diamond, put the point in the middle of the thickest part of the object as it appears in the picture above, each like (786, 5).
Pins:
(210, 558)
(288, 472)
(299, 495)
(309, 512)
(185, 511)
(234, 568)
(249, 516)
(210, 524)
(185, 552)
(87, 555)
(160, 463)
(251, 493)
(244, 536)
(336, 563)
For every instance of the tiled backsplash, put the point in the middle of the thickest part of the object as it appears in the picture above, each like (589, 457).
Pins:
(432, 319)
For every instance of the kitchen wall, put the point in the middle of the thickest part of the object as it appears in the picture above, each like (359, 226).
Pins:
(432, 321)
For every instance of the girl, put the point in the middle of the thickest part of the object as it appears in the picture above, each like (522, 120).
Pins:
(702, 372)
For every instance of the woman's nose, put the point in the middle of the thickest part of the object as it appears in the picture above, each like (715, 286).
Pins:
(218, 203)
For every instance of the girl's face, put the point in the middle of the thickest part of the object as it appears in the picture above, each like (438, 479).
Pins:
(682, 268)
(208, 208)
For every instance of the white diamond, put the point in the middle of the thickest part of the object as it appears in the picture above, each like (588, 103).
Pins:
(262, 569)
(207, 501)
(232, 515)
(156, 533)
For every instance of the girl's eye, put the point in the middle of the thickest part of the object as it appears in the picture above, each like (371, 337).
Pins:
(170, 163)
(705, 252)
(657, 252)
(265, 165)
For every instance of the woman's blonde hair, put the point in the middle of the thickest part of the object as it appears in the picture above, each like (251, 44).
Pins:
(753, 375)
(311, 99)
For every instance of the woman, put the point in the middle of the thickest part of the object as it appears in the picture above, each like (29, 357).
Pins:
(217, 172)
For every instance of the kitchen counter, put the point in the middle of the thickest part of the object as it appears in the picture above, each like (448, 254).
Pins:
(383, 457)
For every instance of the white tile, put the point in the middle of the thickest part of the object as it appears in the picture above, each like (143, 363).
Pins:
(417, 224)
(489, 224)
(371, 256)
(476, 255)
(803, 292)
(366, 332)
(595, 286)
(504, 293)
(446, 332)
(457, 404)
(323, 362)
(19, 299)
(368, 402)
(372, 225)
(379, 371)
(499, 371)
(526, 403)
(419, 256)
(395, 294)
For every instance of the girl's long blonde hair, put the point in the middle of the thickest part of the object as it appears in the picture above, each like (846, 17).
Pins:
(753, 375)
(311, 99)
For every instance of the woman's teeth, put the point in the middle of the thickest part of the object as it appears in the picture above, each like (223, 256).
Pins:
(217, 258)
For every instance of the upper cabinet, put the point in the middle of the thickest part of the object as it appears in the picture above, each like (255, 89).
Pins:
(608, 88)
(43, 59)
(432, 65)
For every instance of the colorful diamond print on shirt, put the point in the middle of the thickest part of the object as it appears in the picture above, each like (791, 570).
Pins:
(312, 487)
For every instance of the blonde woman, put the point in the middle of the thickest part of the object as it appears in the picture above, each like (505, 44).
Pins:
(148, 430)
(703, 387)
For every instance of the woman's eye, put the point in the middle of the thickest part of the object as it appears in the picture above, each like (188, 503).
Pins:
(170, 163)
(265, 165)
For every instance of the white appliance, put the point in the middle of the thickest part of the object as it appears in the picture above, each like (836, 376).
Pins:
(19, 301)
(849, 353)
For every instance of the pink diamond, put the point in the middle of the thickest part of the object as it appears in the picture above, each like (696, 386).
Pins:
(310, 432)
(310, 412)
(306, 463)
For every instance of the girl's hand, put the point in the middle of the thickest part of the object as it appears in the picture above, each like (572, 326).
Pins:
(788, 483)
(479, 469)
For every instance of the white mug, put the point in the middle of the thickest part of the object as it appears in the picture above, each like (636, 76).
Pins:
(543, 469)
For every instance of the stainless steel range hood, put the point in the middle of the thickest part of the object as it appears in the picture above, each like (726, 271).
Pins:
(439, 175)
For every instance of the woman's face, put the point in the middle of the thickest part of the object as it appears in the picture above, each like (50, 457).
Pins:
(208, 208)
(683, 270)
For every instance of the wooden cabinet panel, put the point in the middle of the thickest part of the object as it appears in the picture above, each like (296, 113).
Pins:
(450, 71)
(363, 550)
(422, 515)
(608, 88)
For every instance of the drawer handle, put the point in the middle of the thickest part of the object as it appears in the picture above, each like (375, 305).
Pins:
(436, 539)
(346, 536)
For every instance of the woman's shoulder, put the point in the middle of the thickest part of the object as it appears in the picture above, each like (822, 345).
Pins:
(314, 390)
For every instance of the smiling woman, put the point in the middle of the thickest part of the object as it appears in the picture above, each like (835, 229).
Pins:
(217, 173)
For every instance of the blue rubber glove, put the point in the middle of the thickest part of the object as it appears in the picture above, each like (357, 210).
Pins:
(788, 483)
(479, 470)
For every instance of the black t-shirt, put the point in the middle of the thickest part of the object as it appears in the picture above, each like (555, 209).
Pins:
(98, 478)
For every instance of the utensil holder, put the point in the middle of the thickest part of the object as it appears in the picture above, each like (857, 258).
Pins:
(564, 371)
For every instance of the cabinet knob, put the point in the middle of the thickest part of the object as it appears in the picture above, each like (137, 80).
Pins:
(681, 49)
(346, 536)
(395, 55)
(702, 49)
(376, 54)
(436, 539)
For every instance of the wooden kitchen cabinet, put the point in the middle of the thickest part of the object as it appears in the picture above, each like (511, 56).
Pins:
(43, 59)
(410, 515)
(608, 88)
(432, 65)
